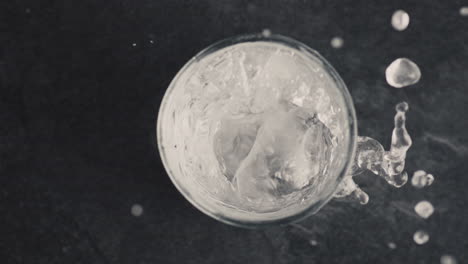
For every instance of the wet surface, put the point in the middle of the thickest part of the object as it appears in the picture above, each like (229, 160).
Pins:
(81, 83)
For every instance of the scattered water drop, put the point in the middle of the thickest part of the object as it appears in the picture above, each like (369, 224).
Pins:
(266, 32)
(421, 237)
(464, 11)
(370, 155)
(137, 210)
(337, 42)
(133, 44)
(391, 245)
(447, 259)
(421, 179)
(402, 72)
(151, 41)
(313, 242)
(400, 20)
(424, 209)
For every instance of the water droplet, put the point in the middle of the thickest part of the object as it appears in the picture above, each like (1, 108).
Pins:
(421, 179)
(391, 245)
(133, 44)
(337, 42)
(136, 210)
(421, 237)
(464, 11)
(400, 20)
(266, 33)
(424, 209)
(27, 10)
(402, 72)
(313, 242)
(447, 259)
(151, 41)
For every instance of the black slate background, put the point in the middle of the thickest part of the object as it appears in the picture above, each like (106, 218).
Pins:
(78, 107)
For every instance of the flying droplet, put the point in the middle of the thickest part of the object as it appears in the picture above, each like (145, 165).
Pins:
(313, 242)
(424, 209)
(464, 11)
(391, 245)
(421, 179)
(400, 20)
(266, 32)
(402, 72)
(337, 42)
(136, 210)
(421, 237)
(447, 259)
(133, 44)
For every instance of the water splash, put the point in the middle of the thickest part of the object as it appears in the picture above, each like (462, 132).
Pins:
(421, 179)
(370, 155)
(424, 209)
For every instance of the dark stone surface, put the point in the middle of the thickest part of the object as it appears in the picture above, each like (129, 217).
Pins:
(78, 106)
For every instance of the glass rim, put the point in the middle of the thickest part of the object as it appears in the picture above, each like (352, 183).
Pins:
(348, 103)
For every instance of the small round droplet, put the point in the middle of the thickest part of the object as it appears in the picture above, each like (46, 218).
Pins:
(464, 11)
(424, 209)
(391, 245)
(151, 41)
(136, 210)
(337, 42)
(402, 107)
(447, 259)
(402, 72)
(313, 242)
(421, 237)
(400, 20)
(133, 44)
(421, 179)
(266, 32)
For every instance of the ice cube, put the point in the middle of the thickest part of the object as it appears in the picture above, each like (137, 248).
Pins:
(290, 148)
(424, 209)
(402, 72)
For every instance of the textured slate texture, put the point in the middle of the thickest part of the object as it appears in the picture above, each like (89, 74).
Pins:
(78, 106)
